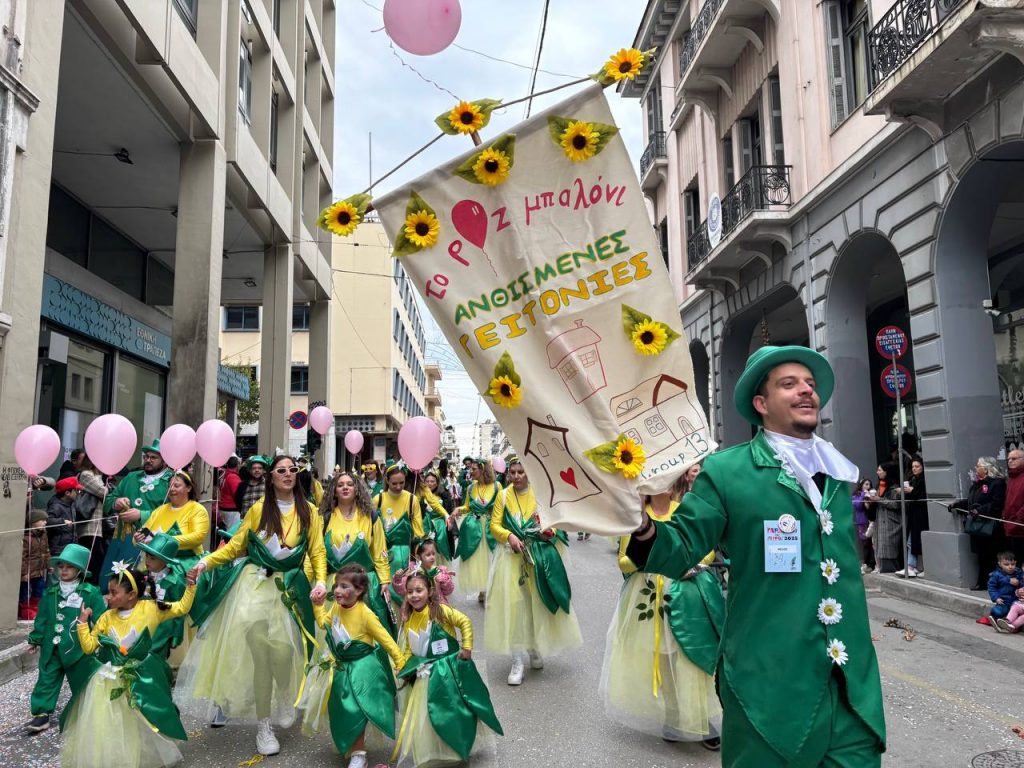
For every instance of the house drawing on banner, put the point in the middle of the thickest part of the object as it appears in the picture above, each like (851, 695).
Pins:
(576, 357)
(657, 413)
(566, 478)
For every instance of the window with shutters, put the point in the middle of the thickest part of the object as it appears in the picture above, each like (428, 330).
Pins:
(729, 162)
(691, 210)
(663, 240)
(751, 141)
(775, 107)
(846, 32)
(654, 123)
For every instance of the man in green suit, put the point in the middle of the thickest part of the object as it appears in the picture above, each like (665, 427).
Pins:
(798, 675)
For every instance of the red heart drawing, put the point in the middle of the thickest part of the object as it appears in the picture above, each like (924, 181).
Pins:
(569, 476)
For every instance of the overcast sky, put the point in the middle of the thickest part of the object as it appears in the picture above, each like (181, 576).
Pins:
(377, 93)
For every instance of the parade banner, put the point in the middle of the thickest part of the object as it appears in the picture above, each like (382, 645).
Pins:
(536, 256)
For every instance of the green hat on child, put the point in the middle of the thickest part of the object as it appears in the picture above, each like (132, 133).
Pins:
(74, 555)
(163, 547)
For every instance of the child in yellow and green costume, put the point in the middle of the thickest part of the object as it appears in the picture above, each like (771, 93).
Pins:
(529, 607)
(662, 648)
(125, 716)
(166, 582)
(445, 699)
(475, 528)
(400, 514)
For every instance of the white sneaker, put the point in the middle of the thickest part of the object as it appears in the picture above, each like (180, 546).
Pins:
(866, 569)
(515, 676)
(358, 760)
(219, 719)
(912, 572)
(266, 742)
(536, 661)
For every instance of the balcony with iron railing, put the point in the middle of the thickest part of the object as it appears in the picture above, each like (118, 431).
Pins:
(753, 215)
(655, 157)
(920, 52)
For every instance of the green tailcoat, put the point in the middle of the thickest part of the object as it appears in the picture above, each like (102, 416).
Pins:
(774, 646)
(57, 619)
(170, 633)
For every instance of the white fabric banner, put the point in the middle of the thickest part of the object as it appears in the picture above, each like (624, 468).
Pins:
(560, 268)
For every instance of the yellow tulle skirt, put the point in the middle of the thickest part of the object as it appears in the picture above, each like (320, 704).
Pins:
(101, 733)
(248, 658)
(315, 693)
(516, 620)
(686, 703)
(472, 575)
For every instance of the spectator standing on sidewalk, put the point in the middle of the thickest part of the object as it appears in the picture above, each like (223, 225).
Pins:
(93, 530)
(862, 521)
(1013, 510)
(228, 504)
(60, 515)
(987, 497)
(915, 493)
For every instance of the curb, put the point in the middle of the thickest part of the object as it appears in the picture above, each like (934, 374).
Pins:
(15, 661)
(962, 602)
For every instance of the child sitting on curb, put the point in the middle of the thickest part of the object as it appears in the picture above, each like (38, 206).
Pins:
(1003, 584)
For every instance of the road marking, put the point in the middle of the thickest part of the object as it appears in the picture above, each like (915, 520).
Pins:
(949, 696)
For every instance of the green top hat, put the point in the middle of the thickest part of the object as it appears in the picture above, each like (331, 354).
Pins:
(230, 532)
(257, 459)
(162, 546)
(763, 360)
(74, 555)
(153, 447)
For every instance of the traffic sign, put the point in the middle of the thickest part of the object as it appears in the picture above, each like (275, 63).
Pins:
(891, 342)
(889, 380)
(297, 419)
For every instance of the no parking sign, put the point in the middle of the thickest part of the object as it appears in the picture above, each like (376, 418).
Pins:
(891, 342)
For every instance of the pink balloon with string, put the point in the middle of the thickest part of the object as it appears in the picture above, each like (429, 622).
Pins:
(422, 27)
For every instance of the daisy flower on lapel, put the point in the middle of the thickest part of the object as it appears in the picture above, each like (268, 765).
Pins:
(836, 650)
(830, 611)
(830, 570)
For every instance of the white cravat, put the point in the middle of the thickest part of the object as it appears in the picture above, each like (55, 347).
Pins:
(804, 458)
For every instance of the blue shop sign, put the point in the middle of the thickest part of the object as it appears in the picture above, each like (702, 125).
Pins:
(65, 304)
(231, 382)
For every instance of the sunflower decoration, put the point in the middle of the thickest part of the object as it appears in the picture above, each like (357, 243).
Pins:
(505, 387)
(490, 166)
(420, 230)
(623, 454)
(342, 217)
(580, 140)
(467, 116)
(624, 65)
(648, 336)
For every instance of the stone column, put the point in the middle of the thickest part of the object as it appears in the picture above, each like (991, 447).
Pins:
(276, 352)
(320, 371)
(198, 263)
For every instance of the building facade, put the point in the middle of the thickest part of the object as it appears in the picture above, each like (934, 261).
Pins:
(822, 171)
(159, 158)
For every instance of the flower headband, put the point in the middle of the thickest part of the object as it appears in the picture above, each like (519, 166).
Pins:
(121, 570)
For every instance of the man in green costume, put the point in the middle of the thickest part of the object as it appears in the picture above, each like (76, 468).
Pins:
(798, 675)
(133, 501)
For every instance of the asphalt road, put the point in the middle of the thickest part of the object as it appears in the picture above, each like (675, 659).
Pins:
(952, 693)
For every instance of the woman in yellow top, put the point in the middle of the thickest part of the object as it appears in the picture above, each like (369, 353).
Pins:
(182, 517)
(445, 698)
(353, 533)
(662, 648)
(475, 539)
(435, 516)
(102, 724)
(529, 609)
(401, 516)
(248, 658)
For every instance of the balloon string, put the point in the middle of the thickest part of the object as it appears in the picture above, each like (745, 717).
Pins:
(489, 262)
(419, 74)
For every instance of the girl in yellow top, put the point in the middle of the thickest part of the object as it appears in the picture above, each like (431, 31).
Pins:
(534, 614)
(475, 540)
(249, 655)
(649, 682)
(435, 516)
(124, 715)
(351, 680)
(400, 514)
(182, 517)
(438, 641)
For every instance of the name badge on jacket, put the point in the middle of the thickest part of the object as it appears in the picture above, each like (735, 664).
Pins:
(781, 548)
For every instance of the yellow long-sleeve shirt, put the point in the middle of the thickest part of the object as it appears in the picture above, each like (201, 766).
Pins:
(432, 501)
(394, 508)
(373, 534)
(626, 565)
(193, 521)
(451, 619)
(522, 506)
(482, 493)
(291, 525)
(145, 615)
(362, 624)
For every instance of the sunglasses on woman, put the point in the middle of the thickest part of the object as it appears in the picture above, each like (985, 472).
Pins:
(286, 470)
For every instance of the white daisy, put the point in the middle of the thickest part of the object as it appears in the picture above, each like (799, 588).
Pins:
(836, 650)
(830, 611)
(825, 518)
(830, 570)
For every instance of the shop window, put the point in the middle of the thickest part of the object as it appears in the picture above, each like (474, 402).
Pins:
(68, 230)
(72, 395)
(116, 259)
(300, 317)
(300, 380)
(242, 318)
(139, 397)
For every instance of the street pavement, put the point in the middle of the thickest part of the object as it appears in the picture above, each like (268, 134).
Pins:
(952, 693)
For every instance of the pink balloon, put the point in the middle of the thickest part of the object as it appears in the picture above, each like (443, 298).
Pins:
(215, 441)
(419, 440)
(499, 464)
(110, 442)
(470, 219)
(354, 441)
(320, 419)
(36, 448)
(422, 27)
(178, 445)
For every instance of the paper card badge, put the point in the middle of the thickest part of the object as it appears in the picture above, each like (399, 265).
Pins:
(535, 255)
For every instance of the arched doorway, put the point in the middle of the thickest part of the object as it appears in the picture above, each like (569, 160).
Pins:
(867, 292)
(701, 376)
(778, 318)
